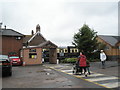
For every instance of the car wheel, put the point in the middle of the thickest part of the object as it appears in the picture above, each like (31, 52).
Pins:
(10, 73)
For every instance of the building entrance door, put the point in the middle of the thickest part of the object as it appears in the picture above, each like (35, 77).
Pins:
(49, 55)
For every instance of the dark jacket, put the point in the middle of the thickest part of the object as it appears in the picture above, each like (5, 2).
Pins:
(88, 63)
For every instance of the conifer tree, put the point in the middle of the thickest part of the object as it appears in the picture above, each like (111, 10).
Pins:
(85, 40)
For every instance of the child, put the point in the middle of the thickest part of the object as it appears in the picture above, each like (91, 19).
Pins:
(87, 67)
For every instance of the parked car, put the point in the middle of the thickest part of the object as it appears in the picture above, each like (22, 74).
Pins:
(5, 65)
(15, 60)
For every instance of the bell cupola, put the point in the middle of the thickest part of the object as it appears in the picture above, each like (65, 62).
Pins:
(38, 28)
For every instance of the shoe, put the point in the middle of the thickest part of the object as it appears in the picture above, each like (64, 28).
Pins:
(89, 73)
(85, 75)
(81, 74)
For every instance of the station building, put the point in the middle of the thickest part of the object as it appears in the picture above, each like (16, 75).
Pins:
(33, 47)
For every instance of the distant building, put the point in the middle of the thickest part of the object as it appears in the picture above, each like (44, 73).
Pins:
(11, 41)
(34, 39)
(112, 48)
(68, 49)
(67, 52)
(29, 47)
(33, 47)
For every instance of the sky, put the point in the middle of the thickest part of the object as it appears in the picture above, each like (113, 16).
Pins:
(60, 19)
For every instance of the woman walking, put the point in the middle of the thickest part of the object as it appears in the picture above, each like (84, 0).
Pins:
(82, 63)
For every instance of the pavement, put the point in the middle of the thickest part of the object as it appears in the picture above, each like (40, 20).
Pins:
(112, 68)
(108, 77)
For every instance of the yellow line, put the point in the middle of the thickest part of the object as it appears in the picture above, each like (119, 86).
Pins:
(80, 78)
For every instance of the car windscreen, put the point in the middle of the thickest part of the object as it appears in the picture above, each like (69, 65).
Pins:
(14, 57)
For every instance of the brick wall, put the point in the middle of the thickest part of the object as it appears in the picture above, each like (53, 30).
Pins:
(32, 61)
(11, 44)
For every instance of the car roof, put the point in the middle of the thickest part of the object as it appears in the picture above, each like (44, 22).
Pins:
(3, 56)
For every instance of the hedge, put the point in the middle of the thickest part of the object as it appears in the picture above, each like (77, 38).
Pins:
(69, 60)
(73, 60)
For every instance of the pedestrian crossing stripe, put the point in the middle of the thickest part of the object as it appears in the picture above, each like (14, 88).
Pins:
(102, 78)
(112, 84)
(94, 78)
(93, 75)
(67, 70)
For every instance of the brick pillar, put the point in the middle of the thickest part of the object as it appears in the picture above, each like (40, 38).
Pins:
(53, 55)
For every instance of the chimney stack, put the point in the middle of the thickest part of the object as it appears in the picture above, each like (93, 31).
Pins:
(32, 32)
(5, 26)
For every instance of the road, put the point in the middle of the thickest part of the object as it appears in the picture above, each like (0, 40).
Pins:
(55, 76)
(43, 77)
(108, 77)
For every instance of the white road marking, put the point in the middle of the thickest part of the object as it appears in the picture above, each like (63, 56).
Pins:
(94, 75)
(102, 78)
(93, 78)
(67, 70)
(112, 85)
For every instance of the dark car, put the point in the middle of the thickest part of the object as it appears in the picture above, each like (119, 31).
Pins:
(15, 60)
(5, 65)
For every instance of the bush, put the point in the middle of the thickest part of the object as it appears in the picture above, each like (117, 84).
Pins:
(69, 60)
(94, 60)
(73, 60)
(64, 61)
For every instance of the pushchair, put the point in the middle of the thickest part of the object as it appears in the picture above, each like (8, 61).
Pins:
(76, 69)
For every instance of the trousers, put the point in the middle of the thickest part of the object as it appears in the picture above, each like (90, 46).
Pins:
(103, 64)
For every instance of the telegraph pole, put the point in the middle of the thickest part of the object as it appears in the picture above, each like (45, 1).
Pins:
(1, 25)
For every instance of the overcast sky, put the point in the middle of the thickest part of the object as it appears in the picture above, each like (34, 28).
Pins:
(60, 19)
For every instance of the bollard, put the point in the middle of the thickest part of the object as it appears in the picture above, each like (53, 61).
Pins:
(42, 60)
(23, 63)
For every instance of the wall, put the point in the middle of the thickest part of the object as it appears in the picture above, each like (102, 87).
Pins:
(31, 61)
(10, 44)
(111, 50)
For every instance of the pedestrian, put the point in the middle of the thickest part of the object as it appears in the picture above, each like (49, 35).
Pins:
(82, 63)
(43, 57)
(78, 69)
(88, 65)
(103, 58)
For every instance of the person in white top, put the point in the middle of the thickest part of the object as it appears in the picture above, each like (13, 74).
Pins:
(103, 58)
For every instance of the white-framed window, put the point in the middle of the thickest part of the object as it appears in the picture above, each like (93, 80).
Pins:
(18, 38)
(107, 48)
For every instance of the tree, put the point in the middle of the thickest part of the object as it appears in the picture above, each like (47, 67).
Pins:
(85, 40)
